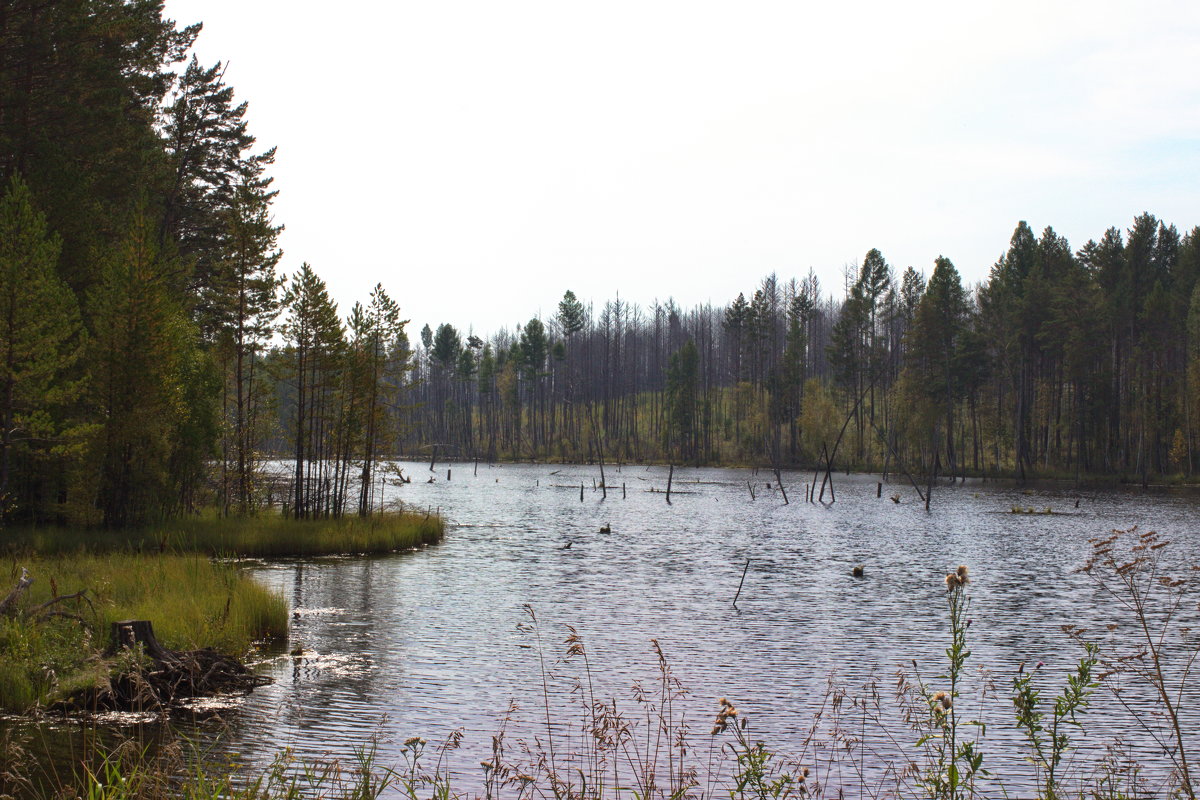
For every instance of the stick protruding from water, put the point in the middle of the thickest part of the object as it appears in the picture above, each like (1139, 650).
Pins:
(743, 580)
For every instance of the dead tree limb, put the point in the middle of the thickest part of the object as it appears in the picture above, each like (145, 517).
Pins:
(9, 603)
(899, 462)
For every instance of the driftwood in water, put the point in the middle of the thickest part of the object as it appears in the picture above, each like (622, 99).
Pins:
(779, 481)
(670, 476)
(155, 676)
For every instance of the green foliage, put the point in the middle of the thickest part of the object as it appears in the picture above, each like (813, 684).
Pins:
(1047, 746)
(447, 344)
(141, 347)
(571, 314)
(953, 761)
(681, 397)
(41, 339)
(193, 602)
(535, 345)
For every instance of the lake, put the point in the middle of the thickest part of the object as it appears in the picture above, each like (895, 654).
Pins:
(426, 642)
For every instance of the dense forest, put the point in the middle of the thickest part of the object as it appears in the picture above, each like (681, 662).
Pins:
(153, 355)
(139, 285)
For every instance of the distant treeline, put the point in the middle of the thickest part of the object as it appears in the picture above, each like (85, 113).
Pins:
(151, 356)
(1063, 363)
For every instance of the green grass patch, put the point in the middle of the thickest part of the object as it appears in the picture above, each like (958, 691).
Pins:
(165, 574)
(192, 601)
(263, 536)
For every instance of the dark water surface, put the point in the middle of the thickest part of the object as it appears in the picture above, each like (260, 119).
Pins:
(423, 643)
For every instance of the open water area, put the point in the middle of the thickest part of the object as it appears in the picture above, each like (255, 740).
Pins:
(427, 642)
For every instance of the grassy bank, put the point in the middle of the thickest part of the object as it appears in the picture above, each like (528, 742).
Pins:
(263, 536)
(164, 574)
(49, 651)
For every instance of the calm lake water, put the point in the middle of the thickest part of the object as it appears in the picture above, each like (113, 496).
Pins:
(427, 642)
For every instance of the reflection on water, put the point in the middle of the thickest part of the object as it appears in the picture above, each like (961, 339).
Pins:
(426, 642)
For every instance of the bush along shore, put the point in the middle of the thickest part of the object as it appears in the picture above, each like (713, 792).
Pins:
(66, 590)
(926, 739)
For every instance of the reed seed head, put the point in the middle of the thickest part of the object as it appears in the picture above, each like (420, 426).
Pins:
(963, 574)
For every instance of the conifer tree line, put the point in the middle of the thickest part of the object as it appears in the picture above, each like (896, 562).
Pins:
(1063, 362)
(146, 334)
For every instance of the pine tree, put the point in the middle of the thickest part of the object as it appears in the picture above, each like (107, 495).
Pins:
(141, 346)
(935, 342)
(314, 337)
(242, 300)
(40, 337)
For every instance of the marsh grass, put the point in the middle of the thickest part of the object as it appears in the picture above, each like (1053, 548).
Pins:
(192, 601)
(266, 535)
(180, 770)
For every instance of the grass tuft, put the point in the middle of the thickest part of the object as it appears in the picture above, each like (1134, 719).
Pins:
(264, 536)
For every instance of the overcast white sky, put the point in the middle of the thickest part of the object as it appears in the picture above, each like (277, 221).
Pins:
(480, 158)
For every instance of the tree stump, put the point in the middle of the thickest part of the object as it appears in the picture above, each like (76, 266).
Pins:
(131, 633)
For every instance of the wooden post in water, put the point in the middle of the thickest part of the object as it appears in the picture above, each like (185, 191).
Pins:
(623, 492)
(581, 491)
(751, 488)
(779, 480)
(670, 476)
(879, 489)
(433, 458)
(600, 457)
(447, 476)
(476, 475)
(743, 580)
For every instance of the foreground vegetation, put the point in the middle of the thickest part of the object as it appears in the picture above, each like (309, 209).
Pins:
(50, 651)
(53, 633)
(924, 740)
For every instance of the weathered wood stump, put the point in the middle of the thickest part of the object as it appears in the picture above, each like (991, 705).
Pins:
(130, 634)
(163, 677)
